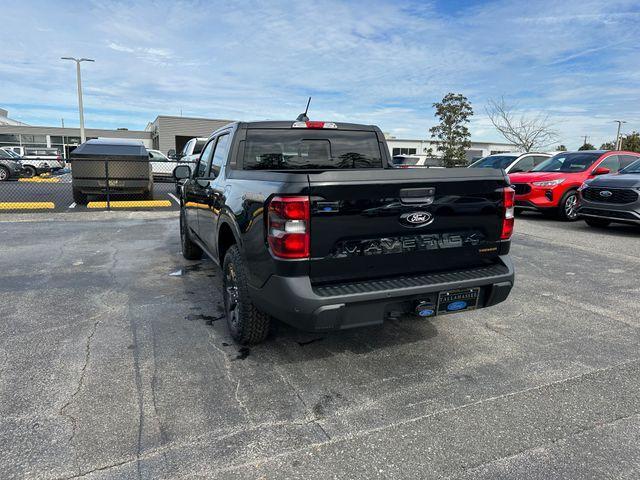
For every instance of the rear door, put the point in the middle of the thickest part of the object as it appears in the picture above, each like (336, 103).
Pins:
(380, 223)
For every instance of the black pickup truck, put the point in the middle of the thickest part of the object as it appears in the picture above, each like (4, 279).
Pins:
(312, 225)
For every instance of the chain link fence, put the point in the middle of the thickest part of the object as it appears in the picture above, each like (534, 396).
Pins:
(89, 184)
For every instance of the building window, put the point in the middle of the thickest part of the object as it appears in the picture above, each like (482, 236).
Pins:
(404, 151)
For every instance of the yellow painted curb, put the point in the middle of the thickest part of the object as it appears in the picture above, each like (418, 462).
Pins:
(39, 180)
(27, 205)
(131, 204)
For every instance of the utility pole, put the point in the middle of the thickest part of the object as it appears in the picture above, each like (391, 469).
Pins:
(618, 140)
(585, 140)
(62, 119)
(79, 80)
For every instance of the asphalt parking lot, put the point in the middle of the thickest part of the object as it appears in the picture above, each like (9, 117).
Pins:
(115, 364)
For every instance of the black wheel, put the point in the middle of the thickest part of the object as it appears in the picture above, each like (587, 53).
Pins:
(568, 206)
(190, 250)
(79, 197)
(597, 222)
(30, 171)
(247, 324)
(4, 174)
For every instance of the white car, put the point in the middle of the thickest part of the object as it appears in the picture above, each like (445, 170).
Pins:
(161, 166)
(511, 162)
(37, 160)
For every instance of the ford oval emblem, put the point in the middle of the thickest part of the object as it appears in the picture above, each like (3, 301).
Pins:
(416, 219)
(454, 306)
(605, 193)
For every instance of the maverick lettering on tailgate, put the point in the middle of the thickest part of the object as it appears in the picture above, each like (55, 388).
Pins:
(404, 244)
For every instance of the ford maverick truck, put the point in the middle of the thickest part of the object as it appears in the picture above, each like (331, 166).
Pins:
(312, 225)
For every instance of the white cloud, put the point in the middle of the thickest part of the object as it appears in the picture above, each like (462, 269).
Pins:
(382, 62)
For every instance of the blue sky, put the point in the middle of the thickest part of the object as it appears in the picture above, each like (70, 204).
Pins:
(381, 62)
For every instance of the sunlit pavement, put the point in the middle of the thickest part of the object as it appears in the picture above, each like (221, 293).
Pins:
(116, 364)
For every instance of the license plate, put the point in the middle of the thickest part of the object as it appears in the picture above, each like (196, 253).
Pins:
(112, 183)
(455, 301)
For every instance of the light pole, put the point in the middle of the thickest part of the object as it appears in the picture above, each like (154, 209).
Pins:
(78, 60)
(618, 143)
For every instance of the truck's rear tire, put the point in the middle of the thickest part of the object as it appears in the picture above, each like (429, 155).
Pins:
(79, 197)
(247, 324)
(190, 250)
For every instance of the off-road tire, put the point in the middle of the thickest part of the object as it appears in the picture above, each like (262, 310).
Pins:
(246, 323)
(597, 222)
(564, 211)
(190, 250)
(4, 174)
(79, 197)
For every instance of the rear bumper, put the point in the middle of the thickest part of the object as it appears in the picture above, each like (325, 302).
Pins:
(334, 307)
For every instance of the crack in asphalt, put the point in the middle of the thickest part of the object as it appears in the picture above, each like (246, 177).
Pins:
(74, 420)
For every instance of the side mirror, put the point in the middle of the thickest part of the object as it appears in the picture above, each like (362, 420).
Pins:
(171, 153)
(601, 171)
(182, 172)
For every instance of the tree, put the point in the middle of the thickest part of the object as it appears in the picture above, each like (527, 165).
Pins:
(631, 142)
(608, 146)
(561, 148)
(525, 132)
(587, 146)
(452, 134)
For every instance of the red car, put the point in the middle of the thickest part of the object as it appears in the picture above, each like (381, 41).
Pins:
(552, 186)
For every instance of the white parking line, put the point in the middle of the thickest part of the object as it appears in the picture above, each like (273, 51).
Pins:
(73, 205)
(174, 198)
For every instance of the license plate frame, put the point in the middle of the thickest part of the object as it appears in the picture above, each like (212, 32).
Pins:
(451, 301)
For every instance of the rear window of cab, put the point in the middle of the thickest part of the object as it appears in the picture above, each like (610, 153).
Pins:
(307, 149)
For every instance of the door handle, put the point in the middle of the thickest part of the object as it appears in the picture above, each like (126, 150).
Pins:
(418, 195)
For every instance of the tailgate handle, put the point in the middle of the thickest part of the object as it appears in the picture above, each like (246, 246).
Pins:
(418, 195)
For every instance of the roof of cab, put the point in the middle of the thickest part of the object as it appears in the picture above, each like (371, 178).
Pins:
(289, 124)
(111, 147)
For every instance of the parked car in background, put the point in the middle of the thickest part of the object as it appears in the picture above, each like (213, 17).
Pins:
(10, 166)
(612, 198)
(552, 186)
(190, 152)
(311, 226)
(512, 162)
(161, 166)
(37, 160)
(127, 161)
(415, 161)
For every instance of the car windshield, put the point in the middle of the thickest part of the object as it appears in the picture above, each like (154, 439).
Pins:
(568, 162)
(11, 153)
(494, 161)
(298, 149)
(5, 154)
(198, 146)
(633, 168)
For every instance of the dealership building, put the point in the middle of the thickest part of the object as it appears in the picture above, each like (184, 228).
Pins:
(172, 132)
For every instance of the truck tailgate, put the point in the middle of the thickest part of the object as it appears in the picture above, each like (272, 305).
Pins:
(368, 224)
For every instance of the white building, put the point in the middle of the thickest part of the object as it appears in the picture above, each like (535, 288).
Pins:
(427, 148)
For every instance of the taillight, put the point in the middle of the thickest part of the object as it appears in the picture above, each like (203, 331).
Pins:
(508, 198)
(288, 227)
